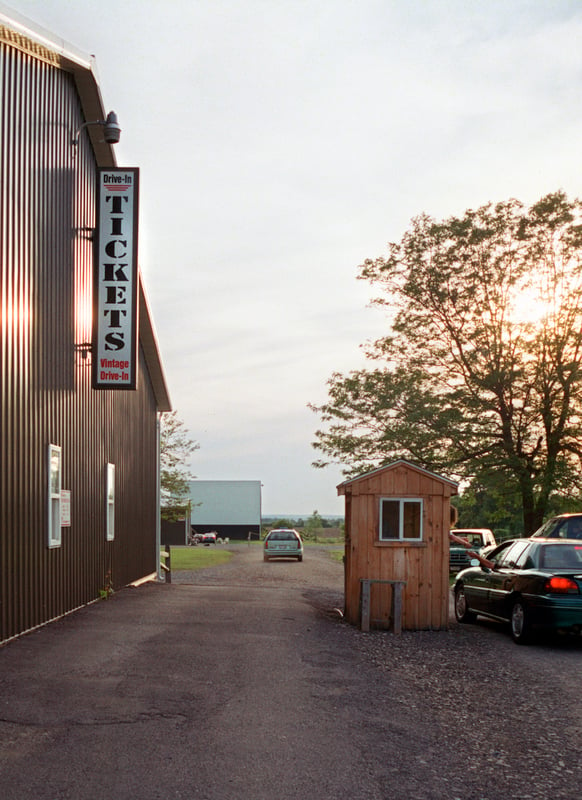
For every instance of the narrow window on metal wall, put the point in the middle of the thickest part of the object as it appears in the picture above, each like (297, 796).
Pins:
(54, 495)
(110, 518)
(400, 519)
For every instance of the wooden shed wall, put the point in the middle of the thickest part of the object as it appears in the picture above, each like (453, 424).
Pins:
(423, 565)
(47, 210)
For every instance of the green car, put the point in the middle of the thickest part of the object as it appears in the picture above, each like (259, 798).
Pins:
(283, 543)
(534, 584)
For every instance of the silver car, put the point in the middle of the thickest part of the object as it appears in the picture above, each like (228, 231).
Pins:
(283, 543)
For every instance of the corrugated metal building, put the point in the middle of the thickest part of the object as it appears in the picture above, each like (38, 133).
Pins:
(90, 455)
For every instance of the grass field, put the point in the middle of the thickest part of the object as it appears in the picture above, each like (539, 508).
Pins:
(192, 558)
(200, 557)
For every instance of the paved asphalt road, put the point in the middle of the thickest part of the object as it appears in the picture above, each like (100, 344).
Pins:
(242, 683)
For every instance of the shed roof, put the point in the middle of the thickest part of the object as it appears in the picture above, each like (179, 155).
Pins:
(395, 465)
(30, 38)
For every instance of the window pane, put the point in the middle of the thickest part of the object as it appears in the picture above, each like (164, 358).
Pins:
(110, 522)
(390, 519)
(506, 557)
(522, 559)
(55, 522)
(556, 557)
(55, 472)
(514, 553)
(411, 520)
(54, 495)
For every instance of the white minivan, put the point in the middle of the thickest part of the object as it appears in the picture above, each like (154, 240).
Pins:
(283, 543)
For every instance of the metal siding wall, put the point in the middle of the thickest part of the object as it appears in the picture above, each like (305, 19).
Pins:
(47, 200)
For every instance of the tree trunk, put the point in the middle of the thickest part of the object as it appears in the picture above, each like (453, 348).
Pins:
(533, 513)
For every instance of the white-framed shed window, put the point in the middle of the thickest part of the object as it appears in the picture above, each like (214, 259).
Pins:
(54, 495)
(110, 510)
(400, 519)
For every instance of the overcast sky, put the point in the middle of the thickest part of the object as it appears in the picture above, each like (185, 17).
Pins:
(282, 142)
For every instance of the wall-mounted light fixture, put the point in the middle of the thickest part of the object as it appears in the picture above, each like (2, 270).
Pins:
(84, 348)
(111, 129)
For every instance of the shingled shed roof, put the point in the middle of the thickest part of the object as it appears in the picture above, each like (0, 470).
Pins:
(341, 489)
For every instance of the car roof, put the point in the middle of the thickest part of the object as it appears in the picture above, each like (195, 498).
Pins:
(568, 515)
(550, 540)
(471, 530)
(537, 540)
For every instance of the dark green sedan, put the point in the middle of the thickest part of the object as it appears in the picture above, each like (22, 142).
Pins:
(534, 584)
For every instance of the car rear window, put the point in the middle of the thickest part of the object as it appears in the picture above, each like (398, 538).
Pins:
(283, 536)
(476, 539)
(561, 557)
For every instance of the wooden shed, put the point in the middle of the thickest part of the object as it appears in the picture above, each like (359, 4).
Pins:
(397, 530)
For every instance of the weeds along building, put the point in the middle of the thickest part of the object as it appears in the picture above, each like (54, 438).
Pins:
(79, 453)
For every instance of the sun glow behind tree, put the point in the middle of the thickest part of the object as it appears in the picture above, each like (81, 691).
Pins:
(479, 375)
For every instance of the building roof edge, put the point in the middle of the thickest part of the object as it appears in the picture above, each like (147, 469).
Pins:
(394, 464)
(25, 35)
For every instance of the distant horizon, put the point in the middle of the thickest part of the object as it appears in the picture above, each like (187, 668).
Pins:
(303, 516)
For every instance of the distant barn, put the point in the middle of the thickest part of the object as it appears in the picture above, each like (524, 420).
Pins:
(231, 508)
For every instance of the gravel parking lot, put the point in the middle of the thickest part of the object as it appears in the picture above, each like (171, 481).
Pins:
(485, 718)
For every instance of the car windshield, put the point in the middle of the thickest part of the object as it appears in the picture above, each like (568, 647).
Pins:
(473, 538)
(282, 535)
(565, 556)
(561, 528)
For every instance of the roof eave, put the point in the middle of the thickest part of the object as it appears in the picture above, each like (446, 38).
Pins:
(149, 343)
(27, 36)
(399, 462)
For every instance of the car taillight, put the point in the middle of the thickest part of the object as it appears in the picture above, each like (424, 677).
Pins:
(558, 585)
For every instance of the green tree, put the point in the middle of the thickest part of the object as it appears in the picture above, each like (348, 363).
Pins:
(283, 523)
(312, 525)
(492, 506)
(176, 447)
(479, 376)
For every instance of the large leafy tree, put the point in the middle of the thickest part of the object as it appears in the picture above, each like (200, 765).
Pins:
(176, 447)
(480, 374)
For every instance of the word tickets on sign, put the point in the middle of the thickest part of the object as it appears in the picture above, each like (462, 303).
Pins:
(116, 280)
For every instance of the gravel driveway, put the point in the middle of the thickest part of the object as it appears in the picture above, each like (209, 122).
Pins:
(485, 719)
(242, 682)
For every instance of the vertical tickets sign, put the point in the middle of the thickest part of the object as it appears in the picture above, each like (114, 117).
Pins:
(116, 280)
